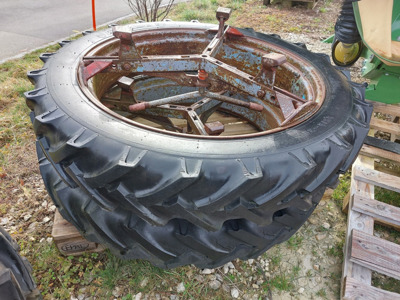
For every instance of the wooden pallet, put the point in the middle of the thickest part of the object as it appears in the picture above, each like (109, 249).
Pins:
(68, 239)
(364, 252)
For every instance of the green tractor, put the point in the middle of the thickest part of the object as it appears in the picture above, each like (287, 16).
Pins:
(371, 29)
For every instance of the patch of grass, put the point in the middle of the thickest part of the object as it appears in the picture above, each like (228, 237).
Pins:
(275, 261)
(321, 293)
(337, 249)
(387, 196)
(385, 282)
(295, 241)
(342, 189)
(280, 282)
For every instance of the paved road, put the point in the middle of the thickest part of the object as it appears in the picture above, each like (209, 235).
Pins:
(29, 24)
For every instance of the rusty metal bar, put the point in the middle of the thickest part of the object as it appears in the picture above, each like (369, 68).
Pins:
(240, 80)
(168, 100)
(195, 123)
(216, 43)
(249, 105)
(185, 63)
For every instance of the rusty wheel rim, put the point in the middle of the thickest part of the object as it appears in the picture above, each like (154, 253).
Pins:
(125, 77)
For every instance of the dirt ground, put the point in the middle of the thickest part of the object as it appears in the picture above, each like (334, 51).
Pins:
(308, 266)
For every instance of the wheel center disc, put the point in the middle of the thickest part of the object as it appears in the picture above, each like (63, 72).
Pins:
(196, 79)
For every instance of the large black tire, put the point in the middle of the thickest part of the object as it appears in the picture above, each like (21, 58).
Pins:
(16, 282)
(175, 200)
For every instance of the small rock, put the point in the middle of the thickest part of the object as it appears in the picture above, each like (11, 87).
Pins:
(230, 265)
(326, 225)
(144, 282)
(225, 269)
(219, 277)
(320, 236)
(207, 271)
(250, 261)
(81, 297)
(41, 240)
(173, 297)
(180, 288)
(301, 290)
(316, 267)
(46, 219)
(3, 221)
(235, 293)
(32, 227)
(255, 286)
(138, 296)
(199, 278)
(322, 203)
(27, 217)
(53, 208)
(49, 240)
(215, 284)
(226, 288)
(32, 239)
(313, 220)
(44, 204)
(116, 292)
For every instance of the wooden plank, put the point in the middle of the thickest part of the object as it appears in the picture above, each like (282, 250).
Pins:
(375, 253)
(68, 239)
(385, 126)
(370, 151)
(359, 221)
(377, 178)
(238, 128)
(390, 109)
(62, 229)
(384, 213)
(355, 289)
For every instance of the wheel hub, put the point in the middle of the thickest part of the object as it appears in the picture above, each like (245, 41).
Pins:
(136, 76)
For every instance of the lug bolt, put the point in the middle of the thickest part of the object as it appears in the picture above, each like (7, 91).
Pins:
(261, 94)
(127, 66)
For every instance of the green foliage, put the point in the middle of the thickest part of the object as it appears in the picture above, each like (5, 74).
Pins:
(280, 282)
(295, 241)
(342, 189)
(321, 293)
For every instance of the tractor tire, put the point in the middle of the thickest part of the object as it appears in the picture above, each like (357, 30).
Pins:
(174, 200)
(16, 282)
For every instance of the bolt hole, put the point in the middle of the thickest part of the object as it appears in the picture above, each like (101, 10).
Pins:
(204, 55)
